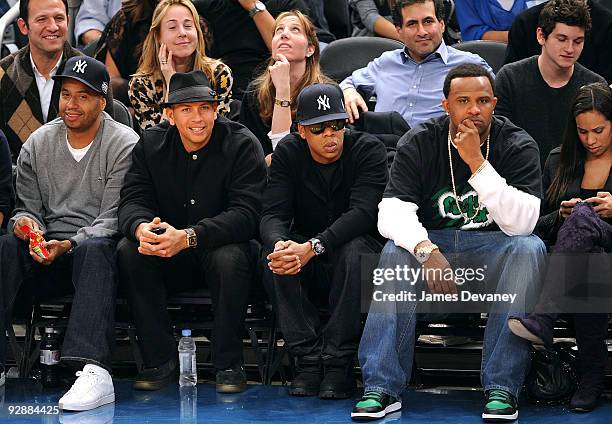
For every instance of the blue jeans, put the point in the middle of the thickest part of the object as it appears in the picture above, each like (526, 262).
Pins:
(387, 346)
(90, 272)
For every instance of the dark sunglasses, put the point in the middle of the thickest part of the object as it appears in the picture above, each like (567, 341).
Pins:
(336, 125)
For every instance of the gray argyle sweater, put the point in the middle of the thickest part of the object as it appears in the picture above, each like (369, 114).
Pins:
(70, 199)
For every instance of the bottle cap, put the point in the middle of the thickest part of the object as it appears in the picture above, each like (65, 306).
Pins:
(186, 333)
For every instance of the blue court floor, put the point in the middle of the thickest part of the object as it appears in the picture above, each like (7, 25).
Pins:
(269, 404)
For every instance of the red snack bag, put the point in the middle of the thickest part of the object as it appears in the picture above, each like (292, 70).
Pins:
(36, 242)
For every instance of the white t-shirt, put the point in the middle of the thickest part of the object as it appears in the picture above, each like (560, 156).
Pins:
(78, 154)
(45, 86)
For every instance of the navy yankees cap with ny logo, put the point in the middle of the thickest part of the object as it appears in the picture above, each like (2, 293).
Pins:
(87, 70)
(319, 103)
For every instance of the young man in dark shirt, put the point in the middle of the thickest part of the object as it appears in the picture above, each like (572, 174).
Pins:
(465, 190)
(199, 179)
(319, 219)
(535, 93)
(596, 55)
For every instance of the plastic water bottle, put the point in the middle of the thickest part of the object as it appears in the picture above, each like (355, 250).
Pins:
(187, 360)
(50, 358)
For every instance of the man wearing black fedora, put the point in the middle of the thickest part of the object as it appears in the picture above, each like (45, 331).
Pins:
(319, 219)
(199, 178)
(69, 175)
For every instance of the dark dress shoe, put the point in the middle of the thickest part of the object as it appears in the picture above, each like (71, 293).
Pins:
(585, 398)
(307, 382)
(231, 380)
(536, 328)
(157, 377)
(339, 382)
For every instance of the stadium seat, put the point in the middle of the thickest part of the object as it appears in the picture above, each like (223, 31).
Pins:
(122, 114)
(341, 57)
(492, 51)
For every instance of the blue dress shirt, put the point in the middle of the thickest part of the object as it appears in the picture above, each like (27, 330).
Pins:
(412, 89)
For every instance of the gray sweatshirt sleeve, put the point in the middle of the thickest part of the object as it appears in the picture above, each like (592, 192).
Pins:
(29, 199)
(367, 11)
(106, 224)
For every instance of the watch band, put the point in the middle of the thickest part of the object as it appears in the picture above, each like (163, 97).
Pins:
(192, 238)
(422, 254)
(317, 246)
(258, 7)
(282, 103)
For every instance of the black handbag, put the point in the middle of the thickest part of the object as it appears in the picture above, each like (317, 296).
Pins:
(551, 380)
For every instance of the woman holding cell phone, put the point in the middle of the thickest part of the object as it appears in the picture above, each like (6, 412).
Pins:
(577, 220)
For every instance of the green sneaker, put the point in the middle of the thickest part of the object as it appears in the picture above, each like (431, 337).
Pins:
(375, 405)
(501, 406)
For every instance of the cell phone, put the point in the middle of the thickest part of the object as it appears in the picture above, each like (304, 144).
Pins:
(158, 230)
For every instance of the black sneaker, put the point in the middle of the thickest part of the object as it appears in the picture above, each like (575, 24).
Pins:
(500, 406)
(157, 377)
(338, 383)
(375, 405)
(231, 380)
(308, 380)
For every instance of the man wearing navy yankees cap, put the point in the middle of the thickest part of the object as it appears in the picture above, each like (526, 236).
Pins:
(69, 174)
(319, 219)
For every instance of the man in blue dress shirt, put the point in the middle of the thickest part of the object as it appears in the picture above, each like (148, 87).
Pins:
(409, 80)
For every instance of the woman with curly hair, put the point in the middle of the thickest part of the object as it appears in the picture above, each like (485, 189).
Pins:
(175, 43)
(268, 106)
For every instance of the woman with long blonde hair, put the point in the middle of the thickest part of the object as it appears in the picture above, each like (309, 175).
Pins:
(268, 106)
(175, 43)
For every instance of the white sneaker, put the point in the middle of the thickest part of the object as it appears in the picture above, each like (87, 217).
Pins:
(93, 388)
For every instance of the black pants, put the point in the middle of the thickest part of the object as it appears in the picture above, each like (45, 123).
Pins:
(331, 280)
(582, 232)
(147, 280)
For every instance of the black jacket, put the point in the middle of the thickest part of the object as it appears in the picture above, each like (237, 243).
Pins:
(597, 54)
(216, 190)
(549, 221)
(298, 199)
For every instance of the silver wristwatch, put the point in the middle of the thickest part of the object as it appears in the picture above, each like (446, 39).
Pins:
(259, 7)
(422, 253)
(192, 237)
(317, 246)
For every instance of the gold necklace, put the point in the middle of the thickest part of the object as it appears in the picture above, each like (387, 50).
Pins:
(450, 161)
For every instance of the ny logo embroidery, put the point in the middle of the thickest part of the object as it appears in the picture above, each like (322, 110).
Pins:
(80, 66)
(323, 102)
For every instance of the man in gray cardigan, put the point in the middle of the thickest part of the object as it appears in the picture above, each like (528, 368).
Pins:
(69, 175)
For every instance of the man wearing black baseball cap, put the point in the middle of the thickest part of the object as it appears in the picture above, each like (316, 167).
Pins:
(198, 179)
(69, 174)
(319, 217)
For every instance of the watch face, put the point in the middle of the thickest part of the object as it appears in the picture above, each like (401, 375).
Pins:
(422, 256)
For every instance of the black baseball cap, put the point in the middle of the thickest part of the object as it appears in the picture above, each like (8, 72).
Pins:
(87, 70)
(190, 87)
(319, 103)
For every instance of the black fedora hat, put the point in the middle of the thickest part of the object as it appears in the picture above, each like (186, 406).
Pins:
(190, 87)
